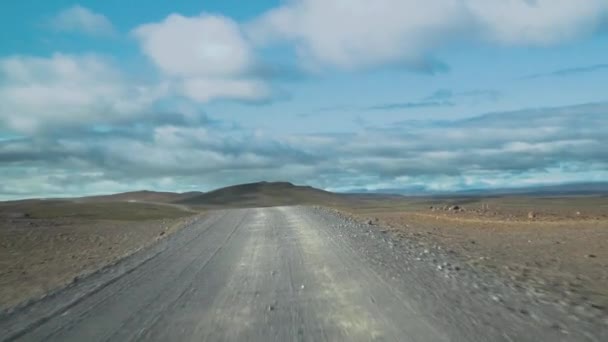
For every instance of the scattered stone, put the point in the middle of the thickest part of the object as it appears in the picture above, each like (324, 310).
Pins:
(597, 306)
(18, 215)
(590, 256)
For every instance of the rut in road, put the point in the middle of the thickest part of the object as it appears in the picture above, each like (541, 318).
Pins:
(277, 274)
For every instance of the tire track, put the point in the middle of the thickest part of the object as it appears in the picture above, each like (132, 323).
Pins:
(130, 276)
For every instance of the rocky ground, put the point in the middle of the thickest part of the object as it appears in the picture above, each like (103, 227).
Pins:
(541, 261)
(297, 273)
(563, 259)
(43, 250)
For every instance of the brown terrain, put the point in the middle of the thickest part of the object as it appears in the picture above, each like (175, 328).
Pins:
(47, 244)
(558, 245)
(142, 196)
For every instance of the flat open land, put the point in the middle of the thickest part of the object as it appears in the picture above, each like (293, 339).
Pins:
(45, 245)
(325, 267)
(292, 273)
(558, 245)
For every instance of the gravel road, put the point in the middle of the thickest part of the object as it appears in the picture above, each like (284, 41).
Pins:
(292, 274)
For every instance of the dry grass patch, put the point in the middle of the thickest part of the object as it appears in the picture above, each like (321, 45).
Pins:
(45, 245)
(558, 250)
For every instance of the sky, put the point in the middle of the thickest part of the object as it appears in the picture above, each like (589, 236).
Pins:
(345, 95)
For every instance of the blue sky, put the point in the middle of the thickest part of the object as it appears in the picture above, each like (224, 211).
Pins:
(440, 95)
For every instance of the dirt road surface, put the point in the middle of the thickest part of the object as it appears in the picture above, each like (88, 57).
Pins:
(291, 274)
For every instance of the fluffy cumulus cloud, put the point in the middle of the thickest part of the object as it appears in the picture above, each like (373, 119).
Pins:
(206, 57)
(40, 93)
(73, 124)
(496, 150)
(537, 22)
(351, 34)
(78, 19)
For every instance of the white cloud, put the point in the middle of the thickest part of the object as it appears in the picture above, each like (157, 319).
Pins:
(537, 22)
(80, 19)
(66, 90)
(351, 34)
(203, 46)
(205, 90)
(206, 57)
(528, 147)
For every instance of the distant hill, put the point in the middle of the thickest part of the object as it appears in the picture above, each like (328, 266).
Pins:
(264, 194)
(372, 196)
(568, 189)
(143, 196)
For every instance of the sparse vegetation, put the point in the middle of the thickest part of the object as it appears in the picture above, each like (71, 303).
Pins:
(557, 243)
(554, 244)
(46, 244)
(122, 211)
